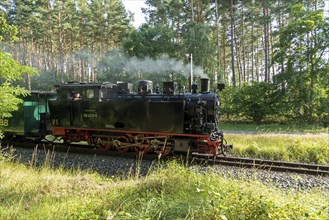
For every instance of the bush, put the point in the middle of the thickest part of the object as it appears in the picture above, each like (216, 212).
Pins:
(255, 101)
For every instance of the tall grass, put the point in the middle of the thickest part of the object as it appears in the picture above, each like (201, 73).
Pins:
(169, 191)
(291, 148)
(273, 127)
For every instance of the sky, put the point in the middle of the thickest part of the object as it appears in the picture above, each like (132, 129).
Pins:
(135, 6)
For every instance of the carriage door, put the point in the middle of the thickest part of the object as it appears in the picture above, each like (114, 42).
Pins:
(31, 115)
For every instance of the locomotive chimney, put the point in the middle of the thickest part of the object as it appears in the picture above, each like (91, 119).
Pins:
(145, 87)
(205, 85)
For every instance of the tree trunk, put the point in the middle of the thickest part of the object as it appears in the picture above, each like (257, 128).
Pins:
(243, 61)
(232, 45)
(266, 50)
(60, 68)
(217, 40)
(192, 11)
(252, 52)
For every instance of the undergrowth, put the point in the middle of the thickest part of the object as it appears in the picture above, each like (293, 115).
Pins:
(169, 191)
(273, 127)
(290, 148)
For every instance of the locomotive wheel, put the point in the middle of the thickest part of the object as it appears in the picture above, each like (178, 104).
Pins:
(162, 148)
(118, 144)
(144, 147)
(102, 143)
(166, 151)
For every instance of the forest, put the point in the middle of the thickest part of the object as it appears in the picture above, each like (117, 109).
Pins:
(272, 54)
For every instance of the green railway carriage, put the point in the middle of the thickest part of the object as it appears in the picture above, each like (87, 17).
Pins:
(30, 121)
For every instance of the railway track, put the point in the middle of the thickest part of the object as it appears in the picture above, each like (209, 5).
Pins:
(77, 148)
(311, 169)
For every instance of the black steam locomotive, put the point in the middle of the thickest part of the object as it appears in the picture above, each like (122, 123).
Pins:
(113, 116)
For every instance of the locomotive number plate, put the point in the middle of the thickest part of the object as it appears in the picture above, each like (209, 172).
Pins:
(3, 122)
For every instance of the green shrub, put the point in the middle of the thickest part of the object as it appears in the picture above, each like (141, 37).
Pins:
(255, 101)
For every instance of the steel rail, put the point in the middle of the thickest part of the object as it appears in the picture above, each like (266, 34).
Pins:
(313, 169)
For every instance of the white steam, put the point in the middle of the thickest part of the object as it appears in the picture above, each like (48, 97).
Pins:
(164, 64)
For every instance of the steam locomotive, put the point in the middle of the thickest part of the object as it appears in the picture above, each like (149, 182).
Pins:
(114, 116)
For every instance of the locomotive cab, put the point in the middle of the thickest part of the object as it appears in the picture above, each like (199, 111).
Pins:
(72, 104)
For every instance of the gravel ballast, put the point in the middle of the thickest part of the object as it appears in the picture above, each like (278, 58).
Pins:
(125, 167)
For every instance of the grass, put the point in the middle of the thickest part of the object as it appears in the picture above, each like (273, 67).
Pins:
(274, 127)
(292, 148)
(287, 142)
(170, 191)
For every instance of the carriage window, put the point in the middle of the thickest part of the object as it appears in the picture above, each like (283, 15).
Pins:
(42, 104)
(90, 93)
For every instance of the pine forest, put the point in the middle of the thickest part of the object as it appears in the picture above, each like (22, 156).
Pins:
(271, 54)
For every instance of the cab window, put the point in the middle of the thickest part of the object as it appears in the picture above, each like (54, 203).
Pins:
(90, 93)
